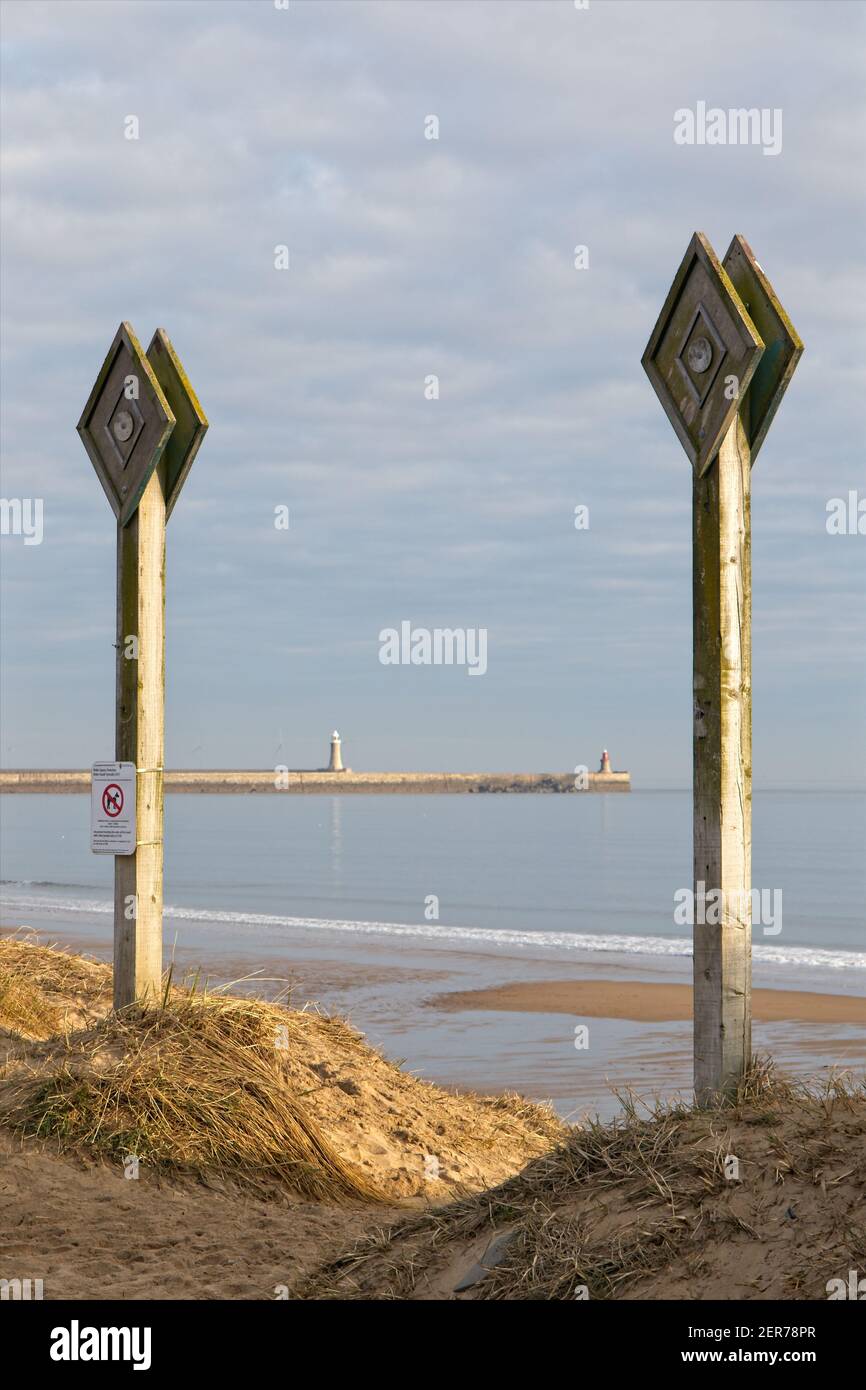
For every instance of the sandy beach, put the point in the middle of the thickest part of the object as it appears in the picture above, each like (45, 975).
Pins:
(644, 1002)
(322, 1169)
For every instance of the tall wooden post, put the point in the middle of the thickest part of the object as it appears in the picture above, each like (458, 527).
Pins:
(722, 745)
(140, 738)
(720, 359)
(142, 428)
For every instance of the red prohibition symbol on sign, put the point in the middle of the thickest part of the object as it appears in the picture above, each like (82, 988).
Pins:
(112, 800)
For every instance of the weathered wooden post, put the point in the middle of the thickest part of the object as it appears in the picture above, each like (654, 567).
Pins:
(142, 427)
(720, 358)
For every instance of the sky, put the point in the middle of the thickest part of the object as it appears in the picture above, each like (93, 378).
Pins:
(306, 126)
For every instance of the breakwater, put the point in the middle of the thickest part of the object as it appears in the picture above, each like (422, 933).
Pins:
(233, 781)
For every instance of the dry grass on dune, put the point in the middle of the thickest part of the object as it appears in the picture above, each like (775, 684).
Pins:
(194, 1085)
(43, 991)
(211, 1083)
(25, 1011)
(643, 1208)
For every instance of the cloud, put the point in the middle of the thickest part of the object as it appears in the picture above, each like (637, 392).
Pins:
(409, 257)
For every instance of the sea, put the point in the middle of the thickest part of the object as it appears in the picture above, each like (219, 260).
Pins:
(375, 907)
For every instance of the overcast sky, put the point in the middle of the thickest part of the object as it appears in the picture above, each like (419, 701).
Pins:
(305, 127)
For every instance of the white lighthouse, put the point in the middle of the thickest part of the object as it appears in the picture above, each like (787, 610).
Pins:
(336, 763)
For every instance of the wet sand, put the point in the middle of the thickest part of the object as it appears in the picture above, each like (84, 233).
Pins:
(645, 1002)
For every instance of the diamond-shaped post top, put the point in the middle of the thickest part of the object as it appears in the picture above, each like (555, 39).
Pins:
(191, 427)
(125, 424)
(782, 345)
(702, 353)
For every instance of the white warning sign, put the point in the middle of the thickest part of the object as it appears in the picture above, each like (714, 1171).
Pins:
(112, 808)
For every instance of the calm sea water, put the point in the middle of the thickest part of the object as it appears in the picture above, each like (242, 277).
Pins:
(586, 871)
(340, 893)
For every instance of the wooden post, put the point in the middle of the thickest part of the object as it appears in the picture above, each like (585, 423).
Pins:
(722, 743)
(139, 738)
(720, 358)
(142, 427)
